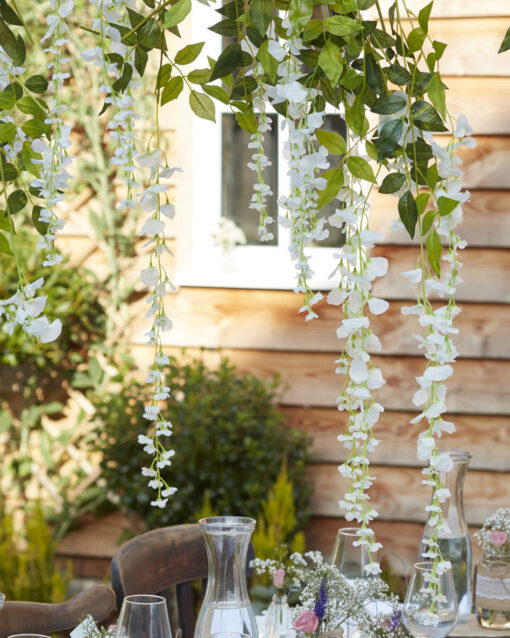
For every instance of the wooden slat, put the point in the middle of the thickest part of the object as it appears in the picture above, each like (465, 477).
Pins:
(477, 387)
(227, 318)
(400, 540)
(486, 220)
(453, 8)
(485, 274)
(487, 165)
(397, 493)
(398, 437)
(484, 101)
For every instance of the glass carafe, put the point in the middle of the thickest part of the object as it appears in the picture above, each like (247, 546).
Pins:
(455, 545)
(226, 607)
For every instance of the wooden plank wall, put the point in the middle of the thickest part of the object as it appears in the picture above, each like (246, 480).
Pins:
(262, 333)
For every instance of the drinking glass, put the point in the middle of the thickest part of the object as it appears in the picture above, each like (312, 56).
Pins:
(430, 606)
(143, 616)
(2, 600)
(349, 558)
(28, 636)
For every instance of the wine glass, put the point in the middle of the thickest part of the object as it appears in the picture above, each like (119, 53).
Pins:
(143, 616)
(430, 606)
(350, 559)
(2, 600)
(28, 636)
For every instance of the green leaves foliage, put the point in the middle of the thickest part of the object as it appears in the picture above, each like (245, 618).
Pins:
(408, 212)
(36, 84)
(16, 201)
(230, 58)
(331, 62)
(389, 104)
(361, 168)
(389, 138)
(176, 14)
(9, 15)
(202, 105)
(398, 74)
(425, 117)
(172, 90)
(334, 142)
(436, 93)
(189, 53)
(335, 180)
(342, 25)
(7, 132)
(392, 183)
(375, 78)
(433, 244)
(415, 39)
(446, 205)
(269, 63)
(505, 45)
(261, 14)
(4, 245)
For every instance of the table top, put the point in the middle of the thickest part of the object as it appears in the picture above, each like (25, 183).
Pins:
(472, 629)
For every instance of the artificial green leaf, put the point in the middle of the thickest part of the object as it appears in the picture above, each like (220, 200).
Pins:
(20, 53)
(13, 90)
(141, 59)
(436, 94)
(216, 92)
(392, 183)
(202, 105)
(8, 40)
(231, 9)
(375, 78)
(16, 201)
(334, 142)
(389, 104)
(419, 151)
(331, 62)
(163, 75)
(360, 168)
(269, 63)
(41, 227)
(427, 222)
(389, 138)
(172, 90)
(149, 34)
(247, 121)
(36, 84)
(424, 15)
(415, 39)
(230, 59)
(421, 202)
(505, 45)
(199, 76)
(7, 101)
(345, 6)
(350, 79)
(434, 249)
(6, 223)
(439, 48)
(371, 150)
(34, 128)
(189, 53)
(9, 15)
(355, 117)
(446, 205)
(425, 117)
(4, 245)
(300, 13)
(7, 171)
(7, 132)
(381, 40)
(408, 212)
(244, 86)
(432, 176)
(312, 30)
(123, 82)
(226, 28)
(176, 13)
(334, 181)
(261, 14)
(363, 5)
(342, 25)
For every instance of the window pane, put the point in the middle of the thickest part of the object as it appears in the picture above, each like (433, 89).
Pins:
(333, 122)
(237, 179)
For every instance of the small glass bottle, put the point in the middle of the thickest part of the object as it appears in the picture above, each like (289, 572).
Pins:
(492, 592)
(455, 545)
(278, 617)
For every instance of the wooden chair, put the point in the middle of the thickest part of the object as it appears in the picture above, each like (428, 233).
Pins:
(156, 562)
(42, 618)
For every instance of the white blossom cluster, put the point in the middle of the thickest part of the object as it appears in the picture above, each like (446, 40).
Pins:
(494, 537)
(154, 201)
(227, 234)
(358, 270)
(23, 308)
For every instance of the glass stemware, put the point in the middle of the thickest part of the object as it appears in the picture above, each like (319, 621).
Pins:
(430, 606)
(350, 559)
(28, 636)
(143, 616)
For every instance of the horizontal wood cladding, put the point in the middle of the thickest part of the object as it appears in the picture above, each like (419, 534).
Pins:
(269, 320)
(397, 492)
(487, 165)
(486, 437)
(400, 540)
(486, 219)
(485, 274)
(308, 379)
(453, 8)
(484, 100)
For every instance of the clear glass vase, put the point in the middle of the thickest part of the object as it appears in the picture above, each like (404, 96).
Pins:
(492, 592)
(455, 545)
(226, 606)
(278, 617)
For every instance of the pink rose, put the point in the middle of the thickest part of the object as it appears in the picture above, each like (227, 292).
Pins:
(498, 538)
(307, 622)
(279, 578)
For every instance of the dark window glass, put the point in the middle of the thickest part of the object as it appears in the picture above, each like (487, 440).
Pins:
(237, 179)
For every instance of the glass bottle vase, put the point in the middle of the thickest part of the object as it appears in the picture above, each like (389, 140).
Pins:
(455, 544)
(226, 606)
(492, 592)
(277, 619)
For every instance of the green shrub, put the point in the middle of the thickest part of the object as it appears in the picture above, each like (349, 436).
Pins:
(27, 560)
(230, 442)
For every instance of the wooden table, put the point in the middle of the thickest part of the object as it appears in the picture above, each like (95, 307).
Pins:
(472, 629)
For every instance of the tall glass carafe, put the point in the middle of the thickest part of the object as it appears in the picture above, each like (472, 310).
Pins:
(226, 607)
(455, 545)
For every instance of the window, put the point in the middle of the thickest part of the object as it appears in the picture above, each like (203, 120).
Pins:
(222, 185)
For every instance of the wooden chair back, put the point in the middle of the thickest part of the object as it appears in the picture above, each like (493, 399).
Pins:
(163, 559)
(18, 617)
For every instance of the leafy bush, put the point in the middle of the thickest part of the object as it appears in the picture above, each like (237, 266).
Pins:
(27, 560)
(230, 440)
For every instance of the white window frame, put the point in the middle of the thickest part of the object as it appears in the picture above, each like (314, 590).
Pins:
(262, 267)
